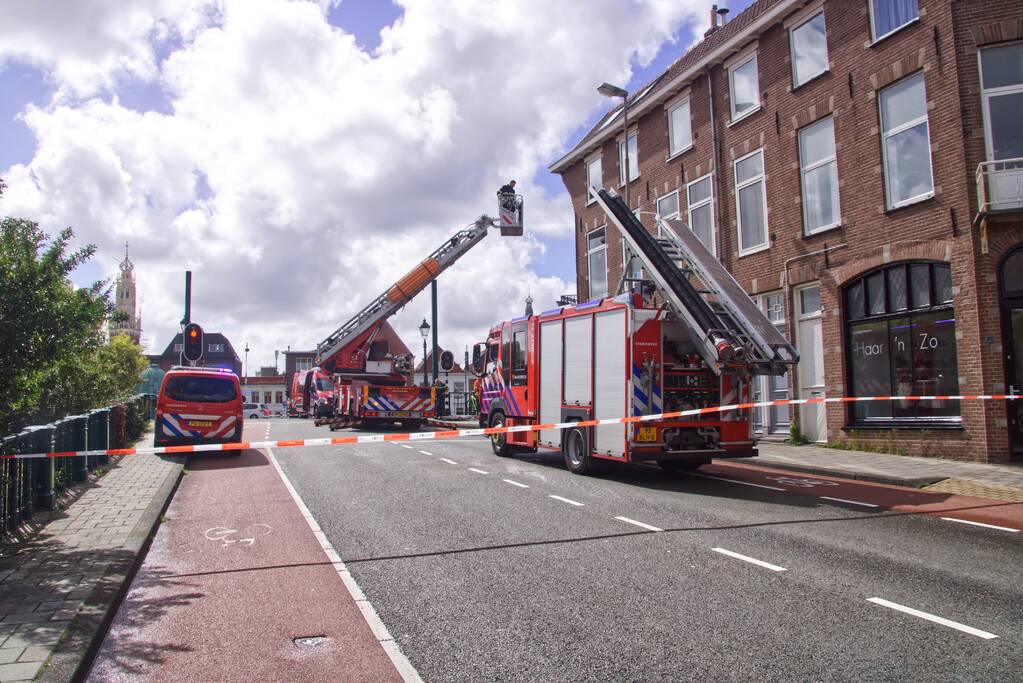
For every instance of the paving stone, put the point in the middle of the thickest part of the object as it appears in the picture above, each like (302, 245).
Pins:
(27, 618)
(18, 672)
(39, 653)
(10, 654)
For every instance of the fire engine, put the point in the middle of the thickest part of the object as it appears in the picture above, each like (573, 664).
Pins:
(373, 384)
(683, 336)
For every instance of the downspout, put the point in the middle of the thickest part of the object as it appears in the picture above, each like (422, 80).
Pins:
(714, 166)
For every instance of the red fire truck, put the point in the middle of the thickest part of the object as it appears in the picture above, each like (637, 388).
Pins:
(374, 382)
(312, 394)
(683, 336)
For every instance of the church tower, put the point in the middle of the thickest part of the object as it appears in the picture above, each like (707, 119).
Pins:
(125, 302)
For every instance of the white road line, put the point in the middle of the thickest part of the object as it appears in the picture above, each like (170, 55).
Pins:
(450, 462)
(648, 527)
(473, 469)
(986, 526)
(751, 560)
(930, 617)
(406, 446)
(566, 500)
(405, 669)
(736, 481)
(515, 483)
(426, 452)
(851, 502)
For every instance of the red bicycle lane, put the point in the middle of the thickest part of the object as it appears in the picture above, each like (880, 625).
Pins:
(236, 587)
(868, 496)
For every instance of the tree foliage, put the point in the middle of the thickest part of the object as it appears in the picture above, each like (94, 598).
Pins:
(53, 358)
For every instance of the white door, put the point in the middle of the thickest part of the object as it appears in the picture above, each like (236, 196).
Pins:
(812, 417)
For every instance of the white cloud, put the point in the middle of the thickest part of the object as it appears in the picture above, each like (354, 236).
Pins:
(330, 171)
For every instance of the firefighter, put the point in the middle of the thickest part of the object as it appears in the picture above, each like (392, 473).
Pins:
(507, 195)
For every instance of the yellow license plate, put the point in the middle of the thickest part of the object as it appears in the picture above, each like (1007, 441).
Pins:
(647, 434)
(400, 413)
(199, 423)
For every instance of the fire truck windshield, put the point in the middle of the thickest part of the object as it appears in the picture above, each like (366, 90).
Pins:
(324, 384)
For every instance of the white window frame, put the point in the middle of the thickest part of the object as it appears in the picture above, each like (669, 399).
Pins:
(678, 203)
(633, 158)
(764, 384)
(803, 170)
(792, 48)
(690, 206)
(671, 109)
(874, 38)
(590, 196)
(985, 98)
(762, 178)
(746, 59)
(215, 348)
(891, 133)
(589, 252)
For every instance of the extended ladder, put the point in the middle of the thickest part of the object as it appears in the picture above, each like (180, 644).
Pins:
(729, 328)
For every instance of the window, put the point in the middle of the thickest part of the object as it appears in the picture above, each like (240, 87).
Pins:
(596, 258)
(633, 159)
(680, 128)
(701, 211)
(1002, 80)
(178, 348)
(751, 204)
(667, 206)
(594, 177)
(819, 174)
(195, 389)
(519, 374)
(278, 397)
(900, 336)
(215, 348)
(905, 142)
(745, 88)
(888, 16)
(303, 364)
(809, 45)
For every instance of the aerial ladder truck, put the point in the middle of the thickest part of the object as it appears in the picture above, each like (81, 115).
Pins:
(371, 383)
(685, 336)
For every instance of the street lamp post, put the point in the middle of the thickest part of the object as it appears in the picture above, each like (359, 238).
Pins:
(245, 370)
(424, 330)
(276, 353)
(608, 90)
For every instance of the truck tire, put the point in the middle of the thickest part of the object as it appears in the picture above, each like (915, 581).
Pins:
(499, 442)
(575, 448)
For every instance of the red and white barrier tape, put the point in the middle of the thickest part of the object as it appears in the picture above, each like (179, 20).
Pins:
(455, 433)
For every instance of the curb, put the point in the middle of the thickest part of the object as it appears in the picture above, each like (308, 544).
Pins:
(72, 657)
(910, 482)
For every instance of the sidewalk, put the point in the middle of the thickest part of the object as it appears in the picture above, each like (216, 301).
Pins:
(999, 482)
(56, 589)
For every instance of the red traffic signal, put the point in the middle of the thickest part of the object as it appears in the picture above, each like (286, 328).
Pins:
(191, 350)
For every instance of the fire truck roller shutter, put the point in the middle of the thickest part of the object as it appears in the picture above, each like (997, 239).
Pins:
(550, 379)
(414, 280)
(610, 382)
(578, 359)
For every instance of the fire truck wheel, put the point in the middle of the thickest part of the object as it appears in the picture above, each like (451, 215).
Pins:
(680, 465)
(575, 448)
(499, 442)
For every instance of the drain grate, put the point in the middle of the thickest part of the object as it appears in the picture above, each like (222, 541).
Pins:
(311, 641)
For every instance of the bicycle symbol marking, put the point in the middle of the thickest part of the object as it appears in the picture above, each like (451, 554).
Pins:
(246, 536)
(802, 483)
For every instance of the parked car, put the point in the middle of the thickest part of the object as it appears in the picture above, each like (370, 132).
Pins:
(255, 411)
(199, 405)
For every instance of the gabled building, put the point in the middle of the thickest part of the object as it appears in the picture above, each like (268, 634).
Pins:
(219, 353)
(858, 166)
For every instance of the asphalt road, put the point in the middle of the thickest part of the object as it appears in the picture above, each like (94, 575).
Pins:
(487, 568)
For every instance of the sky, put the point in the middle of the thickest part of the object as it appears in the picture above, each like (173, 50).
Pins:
(300, 156)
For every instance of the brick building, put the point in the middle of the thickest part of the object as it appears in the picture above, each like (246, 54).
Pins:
(850, 164)
(219, 353)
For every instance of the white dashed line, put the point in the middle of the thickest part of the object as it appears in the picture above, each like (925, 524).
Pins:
(450, 462)
(473, 469)
(986, 526)
(751, 560)
(930, 617)
(426, 452)
(851, 502)
(515, 483)
(736, 481)
(406, 446)
(566, 500)
(639, 524)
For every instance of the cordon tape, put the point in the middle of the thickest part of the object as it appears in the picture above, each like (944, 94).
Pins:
(455, 433)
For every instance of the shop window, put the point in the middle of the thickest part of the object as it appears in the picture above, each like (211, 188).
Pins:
(900, 341)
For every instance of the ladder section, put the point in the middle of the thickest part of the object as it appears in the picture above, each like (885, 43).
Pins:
(401, 292)
(728, 327)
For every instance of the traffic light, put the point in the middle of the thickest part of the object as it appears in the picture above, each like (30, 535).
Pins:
(192, 348)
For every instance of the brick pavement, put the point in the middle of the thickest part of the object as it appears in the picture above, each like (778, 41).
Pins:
(57, 588)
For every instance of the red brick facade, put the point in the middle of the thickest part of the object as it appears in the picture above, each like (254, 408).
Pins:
(942, 44)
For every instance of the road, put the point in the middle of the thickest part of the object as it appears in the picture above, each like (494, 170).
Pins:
(487, 568)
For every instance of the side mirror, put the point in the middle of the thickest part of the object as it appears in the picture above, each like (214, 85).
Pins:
(478, 360)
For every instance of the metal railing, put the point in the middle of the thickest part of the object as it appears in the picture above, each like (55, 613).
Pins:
(29, 486)
(1000, 185)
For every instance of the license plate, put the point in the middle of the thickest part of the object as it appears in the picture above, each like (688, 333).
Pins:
(647, 434)
(400, 413)
(200, 423)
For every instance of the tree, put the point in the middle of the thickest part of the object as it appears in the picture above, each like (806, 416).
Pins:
(47, 325)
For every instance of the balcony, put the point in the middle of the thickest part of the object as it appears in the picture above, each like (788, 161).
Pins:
(1000, 186)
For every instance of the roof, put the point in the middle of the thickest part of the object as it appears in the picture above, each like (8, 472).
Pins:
(260, 380)
(208, 338)
(714, 48)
